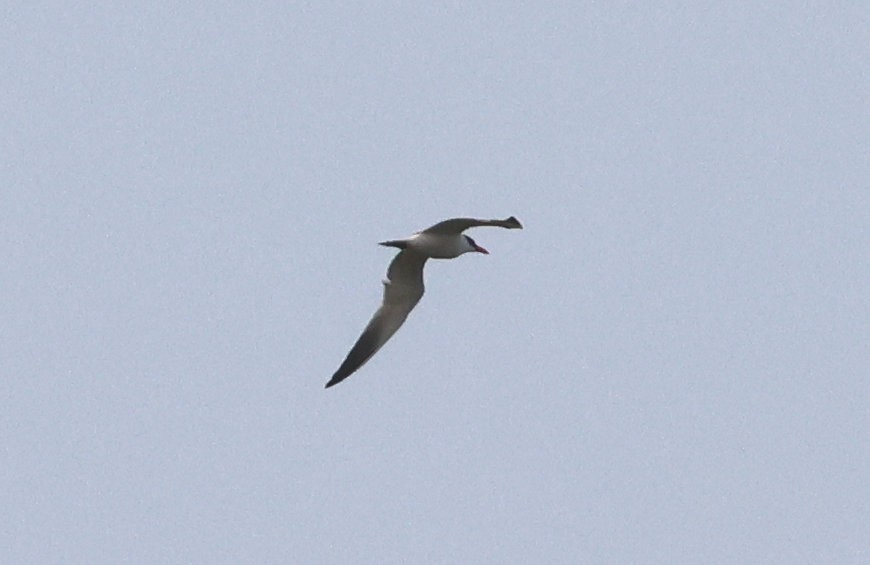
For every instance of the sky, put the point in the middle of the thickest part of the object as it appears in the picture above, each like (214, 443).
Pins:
(669, 364)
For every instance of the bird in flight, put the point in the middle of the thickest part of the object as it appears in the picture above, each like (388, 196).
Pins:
(403, 286)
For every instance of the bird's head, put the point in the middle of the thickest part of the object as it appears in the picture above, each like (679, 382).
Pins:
(471, 245)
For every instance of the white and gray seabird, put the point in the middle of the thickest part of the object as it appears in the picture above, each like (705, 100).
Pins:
(403, 286)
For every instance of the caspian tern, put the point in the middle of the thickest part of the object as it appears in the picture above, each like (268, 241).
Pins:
(403, 286)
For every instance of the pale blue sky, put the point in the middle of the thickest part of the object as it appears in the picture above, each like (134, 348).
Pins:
(668, 365)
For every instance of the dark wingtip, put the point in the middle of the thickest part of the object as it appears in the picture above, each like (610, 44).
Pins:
(337, 377)
(514, 223)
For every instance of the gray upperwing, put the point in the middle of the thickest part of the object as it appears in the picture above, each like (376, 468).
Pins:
(402, 290)
(367, 345)
(459, 225)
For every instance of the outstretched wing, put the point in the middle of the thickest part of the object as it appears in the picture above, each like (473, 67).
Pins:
(403, 288)
(459, 225)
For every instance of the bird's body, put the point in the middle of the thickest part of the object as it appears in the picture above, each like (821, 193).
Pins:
(403, 286)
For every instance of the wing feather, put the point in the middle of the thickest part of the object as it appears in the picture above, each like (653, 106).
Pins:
(402, 291)
(459, 225)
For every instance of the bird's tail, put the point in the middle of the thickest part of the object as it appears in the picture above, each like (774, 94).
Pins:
(400, 243)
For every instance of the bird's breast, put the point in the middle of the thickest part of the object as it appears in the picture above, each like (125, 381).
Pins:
(436, 246)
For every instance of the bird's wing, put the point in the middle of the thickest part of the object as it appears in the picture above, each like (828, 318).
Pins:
(403, 288)
(456, 226)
